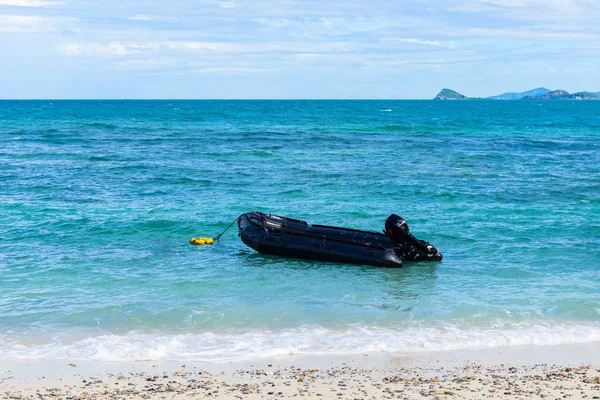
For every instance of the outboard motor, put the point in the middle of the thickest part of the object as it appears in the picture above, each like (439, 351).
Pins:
(408, 247)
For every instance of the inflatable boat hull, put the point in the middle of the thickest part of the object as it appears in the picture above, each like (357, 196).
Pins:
(286, 237)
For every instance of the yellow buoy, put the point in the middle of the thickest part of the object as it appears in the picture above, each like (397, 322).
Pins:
(201, 240)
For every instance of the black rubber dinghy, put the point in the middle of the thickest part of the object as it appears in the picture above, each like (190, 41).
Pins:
(287, 237)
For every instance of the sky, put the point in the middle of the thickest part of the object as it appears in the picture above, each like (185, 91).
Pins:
(350, 49)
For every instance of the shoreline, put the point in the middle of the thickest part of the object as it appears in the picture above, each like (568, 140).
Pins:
(237, 346)
(526, 371)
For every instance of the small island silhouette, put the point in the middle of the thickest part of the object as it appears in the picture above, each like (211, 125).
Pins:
(533, 94)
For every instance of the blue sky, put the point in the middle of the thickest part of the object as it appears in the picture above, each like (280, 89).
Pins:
(295, 48)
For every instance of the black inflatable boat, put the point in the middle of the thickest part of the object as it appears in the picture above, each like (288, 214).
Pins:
(287, 237)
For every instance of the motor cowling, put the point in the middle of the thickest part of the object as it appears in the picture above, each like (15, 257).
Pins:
(408, 247)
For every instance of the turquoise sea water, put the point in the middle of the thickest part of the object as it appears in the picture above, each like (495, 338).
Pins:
(99, 198)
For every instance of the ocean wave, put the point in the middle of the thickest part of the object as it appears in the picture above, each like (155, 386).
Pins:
(101, 125)
(213, 347)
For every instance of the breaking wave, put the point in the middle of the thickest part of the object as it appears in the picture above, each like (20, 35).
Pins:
(212, 347)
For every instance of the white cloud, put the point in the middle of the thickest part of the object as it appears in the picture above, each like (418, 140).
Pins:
(228, 4)
(532, 10)
(531, 34)
(143, 17)
(98, 49)
(274, 22)
(434, 43)
(19, 19)
(151, 18)
(221, 4)
(31, 3)
(227, 70)
(147, 64)
(125, 49)
(202, 67)
(559, 4)
(306, 57)
(472, 5)
(577, 70)
(30, 23)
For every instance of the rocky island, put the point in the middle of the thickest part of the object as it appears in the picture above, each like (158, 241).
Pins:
(534, 94)
(448, 94)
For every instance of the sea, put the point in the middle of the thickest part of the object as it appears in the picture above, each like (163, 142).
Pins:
(98, 201)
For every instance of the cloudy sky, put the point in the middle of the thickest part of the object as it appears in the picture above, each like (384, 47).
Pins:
(295, 48)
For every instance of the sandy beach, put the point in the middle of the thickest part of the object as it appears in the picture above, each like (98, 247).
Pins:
(521, 373)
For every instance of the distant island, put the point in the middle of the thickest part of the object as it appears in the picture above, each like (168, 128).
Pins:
(534, 94)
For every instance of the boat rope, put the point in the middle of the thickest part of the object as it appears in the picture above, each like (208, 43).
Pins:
(207, 240)
(226, 229)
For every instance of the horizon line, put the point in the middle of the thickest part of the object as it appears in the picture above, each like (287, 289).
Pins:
(216, 99)
(232, 99)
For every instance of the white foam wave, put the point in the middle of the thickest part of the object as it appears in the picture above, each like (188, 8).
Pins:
(211, 347)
